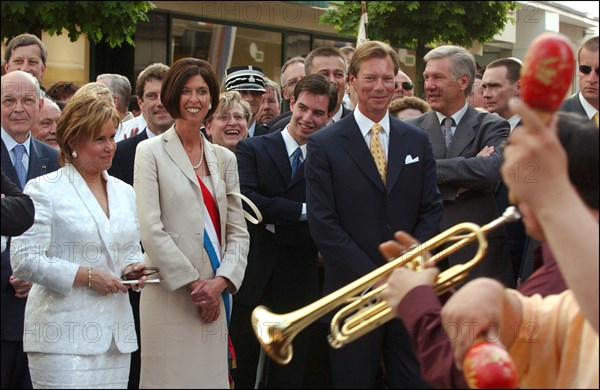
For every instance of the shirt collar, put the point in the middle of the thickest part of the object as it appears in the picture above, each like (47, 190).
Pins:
(290, 144)
(251, 129)
(365, 124)
(338, 115)
(589, 109)
(10, 143)
(457, 116)
(514, 121)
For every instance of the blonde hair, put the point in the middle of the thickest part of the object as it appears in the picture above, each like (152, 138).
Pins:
(228, 99)
(96, 89)
(405, 102)
(85, 116)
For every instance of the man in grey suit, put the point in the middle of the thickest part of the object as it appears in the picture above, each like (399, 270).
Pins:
(468, 152)
(23, 158)
(585, 102)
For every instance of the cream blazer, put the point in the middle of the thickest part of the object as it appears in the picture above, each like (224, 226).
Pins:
(72, 230)
(179, 350)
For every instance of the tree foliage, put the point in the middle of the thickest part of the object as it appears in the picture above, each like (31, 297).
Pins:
(113, 22)
(417, 24)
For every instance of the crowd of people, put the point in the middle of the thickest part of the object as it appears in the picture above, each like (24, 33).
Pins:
(127, 260)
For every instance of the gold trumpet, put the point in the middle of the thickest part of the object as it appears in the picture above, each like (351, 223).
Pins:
(365, 312)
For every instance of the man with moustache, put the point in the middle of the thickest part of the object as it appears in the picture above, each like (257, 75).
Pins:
(282, 270)
(23, 158)
(585, 102)
(367, 176)
(45, 126)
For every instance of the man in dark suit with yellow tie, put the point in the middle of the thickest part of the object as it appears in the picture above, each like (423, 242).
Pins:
(368, 176)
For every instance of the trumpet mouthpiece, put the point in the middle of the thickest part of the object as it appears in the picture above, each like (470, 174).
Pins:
(511, 214)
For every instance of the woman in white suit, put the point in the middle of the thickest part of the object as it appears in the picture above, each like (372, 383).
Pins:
(79, 329)
(194, 230)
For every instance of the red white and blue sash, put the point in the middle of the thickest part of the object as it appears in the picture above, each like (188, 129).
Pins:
(212, 246)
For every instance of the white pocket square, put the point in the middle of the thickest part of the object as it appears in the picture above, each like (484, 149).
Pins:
(411, 160)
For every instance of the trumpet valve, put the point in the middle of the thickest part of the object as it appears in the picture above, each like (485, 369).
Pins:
(416, 264)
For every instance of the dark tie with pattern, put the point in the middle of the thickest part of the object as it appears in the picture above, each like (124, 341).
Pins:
(447, 130)
(296, 160)
(19, 166)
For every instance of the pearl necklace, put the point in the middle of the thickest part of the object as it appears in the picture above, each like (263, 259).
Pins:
(201, 155)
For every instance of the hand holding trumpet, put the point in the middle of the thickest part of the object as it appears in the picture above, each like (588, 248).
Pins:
(403, 280)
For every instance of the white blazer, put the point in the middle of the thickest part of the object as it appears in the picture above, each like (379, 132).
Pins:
(72, 230)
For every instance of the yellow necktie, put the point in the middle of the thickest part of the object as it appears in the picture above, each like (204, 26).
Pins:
(377, 151)
(595, 118)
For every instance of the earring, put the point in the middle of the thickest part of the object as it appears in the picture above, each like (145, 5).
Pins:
(74, 154)
(209, 106)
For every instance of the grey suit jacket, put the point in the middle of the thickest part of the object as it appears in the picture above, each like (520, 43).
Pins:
(573, 104)
(467, 183)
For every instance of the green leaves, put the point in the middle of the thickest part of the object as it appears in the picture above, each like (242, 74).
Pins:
(113, 22)
(416, 24)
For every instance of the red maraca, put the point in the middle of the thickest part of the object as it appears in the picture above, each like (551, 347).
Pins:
(547, 73)
(487, 365)
(546, 76)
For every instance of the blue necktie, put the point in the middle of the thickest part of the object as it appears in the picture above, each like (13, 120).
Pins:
(19, 166)
(296, 156)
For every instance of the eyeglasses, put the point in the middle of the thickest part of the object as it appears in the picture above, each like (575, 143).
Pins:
(227, 117)
(406, 85)
(135, 275)
(585, 69)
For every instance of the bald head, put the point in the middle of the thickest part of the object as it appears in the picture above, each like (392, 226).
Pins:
(21, 103)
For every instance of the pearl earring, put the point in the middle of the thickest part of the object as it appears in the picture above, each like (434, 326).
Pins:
(209, 106)
(74, 154)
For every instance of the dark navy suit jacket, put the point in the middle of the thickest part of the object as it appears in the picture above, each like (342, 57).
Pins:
(289, 257)
(42, 159)
(123, 166)
(351, 212)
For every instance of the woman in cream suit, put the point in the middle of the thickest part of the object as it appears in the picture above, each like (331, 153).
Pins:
(194, 232)
(79, 329)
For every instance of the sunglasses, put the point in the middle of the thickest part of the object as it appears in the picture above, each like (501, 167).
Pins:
(135, 275)
(587, 69)
(406, 85)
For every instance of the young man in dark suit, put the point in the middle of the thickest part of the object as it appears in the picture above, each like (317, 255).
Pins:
(367, 176)
(282, 270)
(23, 158)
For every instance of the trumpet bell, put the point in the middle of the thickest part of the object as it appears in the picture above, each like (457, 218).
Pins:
(273, 337)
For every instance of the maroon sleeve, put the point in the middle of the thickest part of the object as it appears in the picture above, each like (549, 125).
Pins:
(420, 312)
